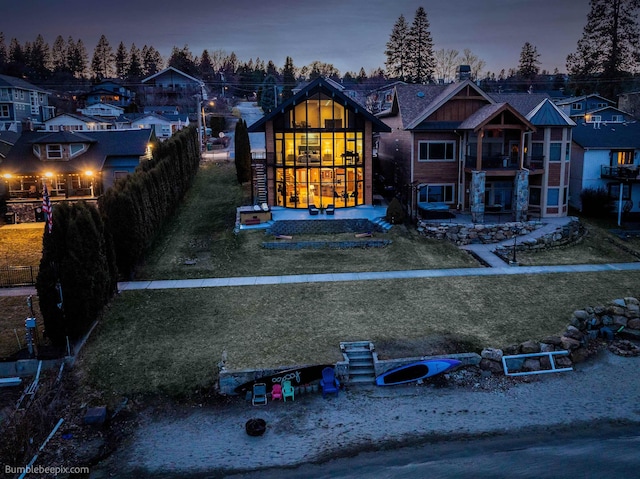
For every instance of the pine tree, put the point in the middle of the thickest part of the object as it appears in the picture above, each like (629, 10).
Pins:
(268, 97)
(288, 78)
(39, 59)
(608, 50)
(182, 59)
(3, 53)
(205, 67)
(529, 65)
(242, 148)
(152, 61)
(121, 61)
(397, 51)
(420, 53)
(77, 58)
(59, 61)
(134, 70)
(102, 62)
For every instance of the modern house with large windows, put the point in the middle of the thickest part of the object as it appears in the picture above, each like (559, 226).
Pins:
(319, 150)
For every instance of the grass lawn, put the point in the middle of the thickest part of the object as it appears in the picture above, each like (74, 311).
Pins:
(171, 341)
(21, 246)
(14, 311)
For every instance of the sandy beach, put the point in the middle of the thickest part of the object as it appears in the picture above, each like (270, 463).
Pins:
(212, 439)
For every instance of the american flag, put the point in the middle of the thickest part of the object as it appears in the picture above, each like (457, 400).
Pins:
(46, 207)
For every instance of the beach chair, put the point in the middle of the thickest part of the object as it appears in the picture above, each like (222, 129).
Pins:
(329, 382)
(259, 394)
(287, 391)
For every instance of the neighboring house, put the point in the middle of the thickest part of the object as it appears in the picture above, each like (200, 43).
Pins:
(102, 110)
(577, 107)
(73, 164)
(630, 102)
(319, 150)
(162, 125)
(22, 105)
(607, 157)
(381, 99)
(110, 92)
(162, 109)
(173, 87)
(7, 140)
(78, 122)
(607, 114)
(457, 147)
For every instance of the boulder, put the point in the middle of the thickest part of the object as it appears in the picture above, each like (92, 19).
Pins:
(579, 355)
(633, 323)
(620, 321)
(569, 343)
(492, 354)
(573, 333)
(545, 362)
(581, 314)
(547, 348)
(631, 301)
(563, 361)
(555, 340)
(633, 311)
(529, 347)
(489, 365)
(531, 364)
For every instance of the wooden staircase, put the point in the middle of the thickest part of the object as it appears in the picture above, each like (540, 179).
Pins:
(260, 183)
(359, 356)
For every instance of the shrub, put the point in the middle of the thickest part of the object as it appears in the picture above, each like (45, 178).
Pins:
(596, 202)
(395, 212)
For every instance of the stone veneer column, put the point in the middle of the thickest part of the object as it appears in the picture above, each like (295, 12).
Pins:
(521, 195)
(476, 196)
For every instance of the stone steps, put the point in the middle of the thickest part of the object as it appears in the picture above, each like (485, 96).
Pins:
(359, 355)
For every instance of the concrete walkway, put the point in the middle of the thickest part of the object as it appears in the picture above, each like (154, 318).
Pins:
(334, 277)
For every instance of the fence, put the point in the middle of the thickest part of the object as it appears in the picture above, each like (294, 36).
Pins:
(18, 275)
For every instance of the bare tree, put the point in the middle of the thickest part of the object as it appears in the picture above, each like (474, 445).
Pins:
(446, 62)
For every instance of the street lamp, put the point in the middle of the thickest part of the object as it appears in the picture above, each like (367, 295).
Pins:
(514, 261)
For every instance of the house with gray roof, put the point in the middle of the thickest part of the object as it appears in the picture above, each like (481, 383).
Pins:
(22, 105)
(456, 147)
(607, 156)
(73, 164)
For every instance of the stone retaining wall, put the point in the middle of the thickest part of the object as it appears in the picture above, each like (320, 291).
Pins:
(296, 245)
(28, 211)
(466, 233)
(298, 227)
(618, 319)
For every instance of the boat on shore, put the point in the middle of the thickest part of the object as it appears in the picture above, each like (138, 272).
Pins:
(416, 371)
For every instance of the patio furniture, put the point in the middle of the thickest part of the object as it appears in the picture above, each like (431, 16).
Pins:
(259, 394)
(330, 209)
(276, 392)
(313, 210)
(329, 383)
(287, 391)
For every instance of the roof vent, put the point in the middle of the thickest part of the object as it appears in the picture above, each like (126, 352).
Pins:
(420, 94)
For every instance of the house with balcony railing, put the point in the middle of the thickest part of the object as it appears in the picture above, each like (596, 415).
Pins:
(456, 147)
(22, 105)
(607, 156)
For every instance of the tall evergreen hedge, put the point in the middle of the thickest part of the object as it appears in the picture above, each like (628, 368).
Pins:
(242, 147)
(77, 275)
(136, 207)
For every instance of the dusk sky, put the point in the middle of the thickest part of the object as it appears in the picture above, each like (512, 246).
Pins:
(349, 34)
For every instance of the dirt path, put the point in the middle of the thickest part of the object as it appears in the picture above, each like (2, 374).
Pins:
(199, 439)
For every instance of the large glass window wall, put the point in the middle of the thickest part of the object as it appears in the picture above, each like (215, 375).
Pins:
(319, 156)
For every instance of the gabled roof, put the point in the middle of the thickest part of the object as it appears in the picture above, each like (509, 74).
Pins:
(63, 137)
(174, 70)
(7, 140)
(548, 114)
(611, 136)
(103, 145)
(485, 114)
(608, 108)
(411, 100)
(80, 117)
(108, 106)
(523, 102)
(448, 93)
(7, 81)
(319, 85)
(578, 99)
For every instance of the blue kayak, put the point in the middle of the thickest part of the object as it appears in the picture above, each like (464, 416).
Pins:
(415, 371)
